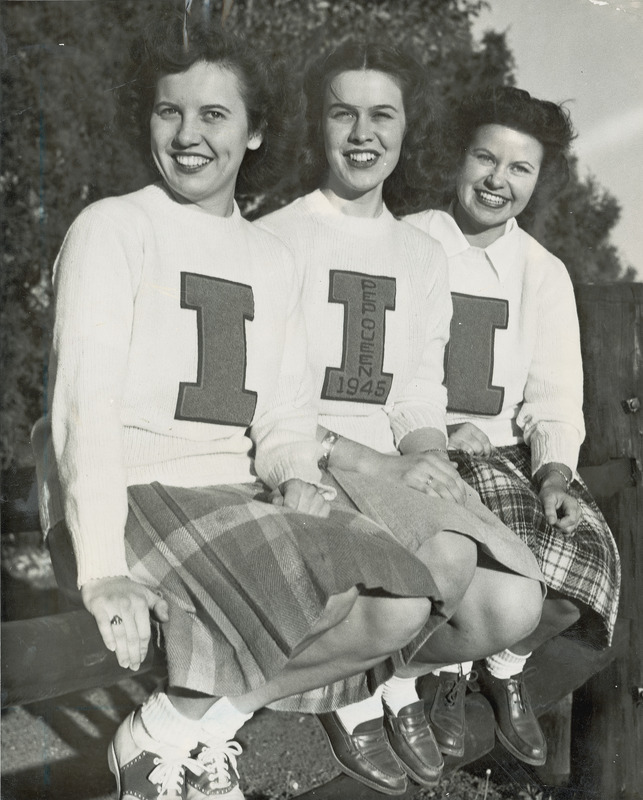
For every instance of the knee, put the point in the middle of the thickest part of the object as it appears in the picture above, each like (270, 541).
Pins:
(337, 609)
(452, 559)
(393, 622)
(515, 613)
(560, 613)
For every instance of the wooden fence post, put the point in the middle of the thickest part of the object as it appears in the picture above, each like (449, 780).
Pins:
(607, 746)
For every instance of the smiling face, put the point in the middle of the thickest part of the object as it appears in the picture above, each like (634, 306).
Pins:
(199, 135)
(363, 126)
(495, 181)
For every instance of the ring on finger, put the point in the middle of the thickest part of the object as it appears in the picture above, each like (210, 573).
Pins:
(429, 480)
(116, 620)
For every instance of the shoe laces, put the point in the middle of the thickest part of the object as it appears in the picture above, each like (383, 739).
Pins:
(459, 685)
(168, 774)
(218, 758)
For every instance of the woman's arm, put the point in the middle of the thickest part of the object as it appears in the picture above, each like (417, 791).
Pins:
(93, 318)
(419, 465)
(421, 404)
(418, 414)
(551, 416)
(287, 451)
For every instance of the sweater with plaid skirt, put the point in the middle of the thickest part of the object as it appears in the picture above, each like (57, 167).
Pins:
(514, 370)
(377, 311)
(178, 350)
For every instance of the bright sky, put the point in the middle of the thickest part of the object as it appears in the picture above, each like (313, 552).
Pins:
(590, 53)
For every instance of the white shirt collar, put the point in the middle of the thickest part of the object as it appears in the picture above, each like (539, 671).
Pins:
(501, 254)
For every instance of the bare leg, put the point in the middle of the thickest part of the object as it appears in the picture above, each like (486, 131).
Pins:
(453, 561)
(559, 613)
(498, 609)
(354, 633)
(375, 628)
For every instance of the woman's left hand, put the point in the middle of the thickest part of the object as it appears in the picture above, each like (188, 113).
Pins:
(469, 438)
(301, 496)
(561, 509)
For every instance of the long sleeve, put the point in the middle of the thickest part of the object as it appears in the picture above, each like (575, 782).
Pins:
(93, 286)
(422, 402)
(284, 433)
(551, 415)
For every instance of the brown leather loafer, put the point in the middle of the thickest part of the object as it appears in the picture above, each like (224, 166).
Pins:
(365, 754)
(444, 696)
(413, 743)
(516, 725)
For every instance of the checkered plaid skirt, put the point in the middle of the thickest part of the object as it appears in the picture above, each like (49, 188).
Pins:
(246, 581)
(584, 566)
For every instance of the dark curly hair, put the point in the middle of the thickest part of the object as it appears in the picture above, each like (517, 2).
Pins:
(175, 42)
(407, 189)
(548, 123)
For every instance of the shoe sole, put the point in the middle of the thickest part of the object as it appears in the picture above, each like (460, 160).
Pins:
(418, 779)
(356, 776)
(451, 751)
(425, 782)
(534, 762)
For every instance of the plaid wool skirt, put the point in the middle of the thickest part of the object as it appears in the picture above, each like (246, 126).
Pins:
(246, 582)
(584, 566)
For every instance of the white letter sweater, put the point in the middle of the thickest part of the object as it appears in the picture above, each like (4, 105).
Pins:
(514, 363)
(175, 331)
(377, 309)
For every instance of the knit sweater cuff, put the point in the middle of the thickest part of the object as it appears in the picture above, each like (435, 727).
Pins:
(297, 460)
(411, 418)
(554, 442)
(100, 558)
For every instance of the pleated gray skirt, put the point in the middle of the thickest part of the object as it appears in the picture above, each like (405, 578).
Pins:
(246, 582)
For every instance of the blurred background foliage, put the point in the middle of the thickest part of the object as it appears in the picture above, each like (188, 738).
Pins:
(59, 151)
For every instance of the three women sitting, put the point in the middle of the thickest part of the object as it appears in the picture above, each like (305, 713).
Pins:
(179, 375)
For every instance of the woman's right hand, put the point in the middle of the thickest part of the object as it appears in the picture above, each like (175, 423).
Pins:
(431, 473)
(470, 439)
(121, 598)
(301, 496)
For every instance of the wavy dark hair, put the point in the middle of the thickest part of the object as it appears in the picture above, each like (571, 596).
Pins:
(549, 123)
(175, 42)
(408, 188)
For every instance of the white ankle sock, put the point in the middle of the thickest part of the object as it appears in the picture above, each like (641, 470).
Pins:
(459, 669)
(223, 720)
(399, 692)
(371, 708)
(164, 723)
(505, 664)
